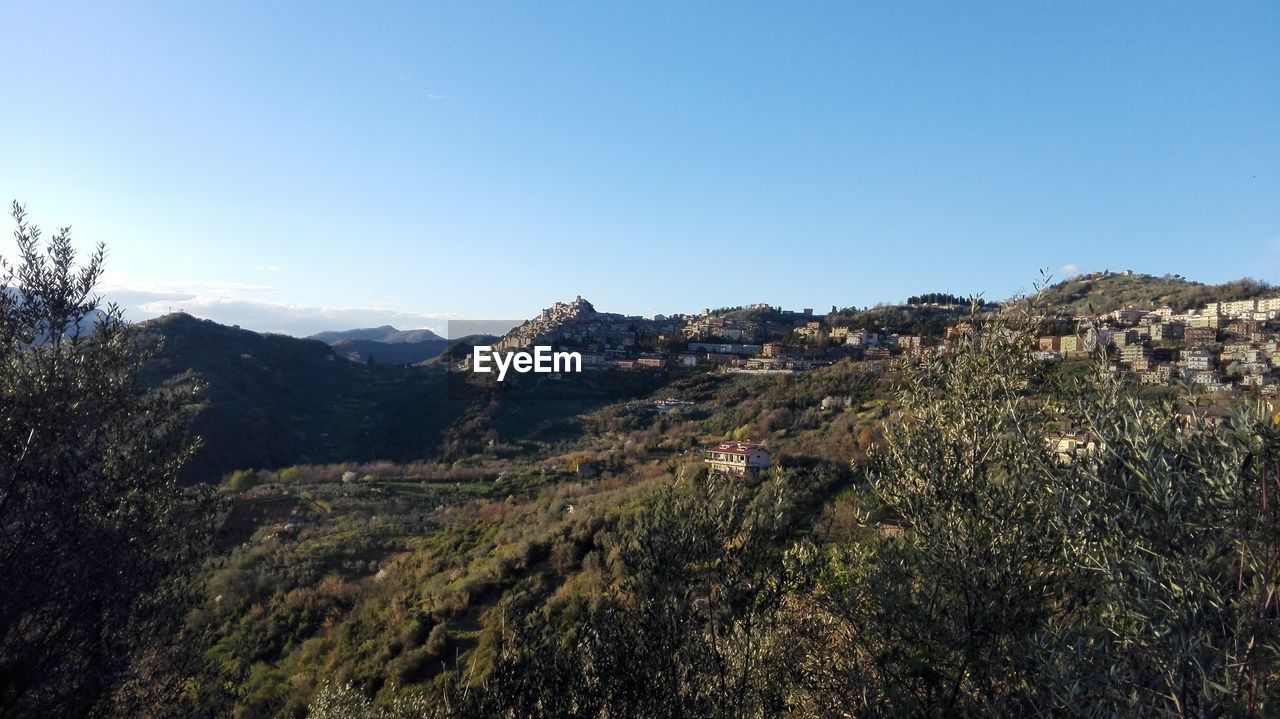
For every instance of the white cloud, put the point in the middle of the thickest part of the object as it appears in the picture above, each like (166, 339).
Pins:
(238, 303)
(295, 319)
(1070, 270)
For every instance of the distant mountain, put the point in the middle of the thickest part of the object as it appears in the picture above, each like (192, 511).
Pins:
(384, 345)
(386, 334)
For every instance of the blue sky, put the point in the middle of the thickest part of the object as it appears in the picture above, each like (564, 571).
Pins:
(296, 166)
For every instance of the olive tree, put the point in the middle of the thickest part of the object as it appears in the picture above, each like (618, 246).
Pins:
(97, 537)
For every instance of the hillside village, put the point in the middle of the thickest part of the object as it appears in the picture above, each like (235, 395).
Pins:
(1220, 347)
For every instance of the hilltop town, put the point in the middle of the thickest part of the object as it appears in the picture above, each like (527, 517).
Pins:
(1218, 347)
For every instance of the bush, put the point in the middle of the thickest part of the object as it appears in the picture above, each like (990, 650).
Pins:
(243, 479)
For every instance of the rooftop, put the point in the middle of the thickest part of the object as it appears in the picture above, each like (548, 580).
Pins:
(739, 447)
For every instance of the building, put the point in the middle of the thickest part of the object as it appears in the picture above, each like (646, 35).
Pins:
(1159, 375)
(911, 344)
(738, 458)
(1070, 447)
(1198, 360)
(862, 338)
(730, 348)
(1165, 331)
(1206, 380)
(1201, 336)
(1239, 308)
(1246, 330)
(1123, 339)
(811, 330)
(1129, 316)
(1241, 352)
(1204, 320)
(1136, 356)
(1207, 417)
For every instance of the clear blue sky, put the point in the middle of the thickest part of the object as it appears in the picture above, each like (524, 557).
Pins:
(298, 166)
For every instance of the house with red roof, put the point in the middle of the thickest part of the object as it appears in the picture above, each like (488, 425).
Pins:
(738, 458)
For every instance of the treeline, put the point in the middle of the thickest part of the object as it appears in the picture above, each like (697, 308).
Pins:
(943, 298)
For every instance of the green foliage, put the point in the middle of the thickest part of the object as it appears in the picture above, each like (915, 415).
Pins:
(97, 538)
(690, 630)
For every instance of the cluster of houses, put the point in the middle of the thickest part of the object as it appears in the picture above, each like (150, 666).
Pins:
(1223, 346)
(607, 340)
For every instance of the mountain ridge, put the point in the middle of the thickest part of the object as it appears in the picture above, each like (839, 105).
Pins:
(385, 334)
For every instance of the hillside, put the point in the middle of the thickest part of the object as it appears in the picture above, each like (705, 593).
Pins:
(416, 563)
(1106, 291)
(397, 353)
(273, 400)
(459, 349)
